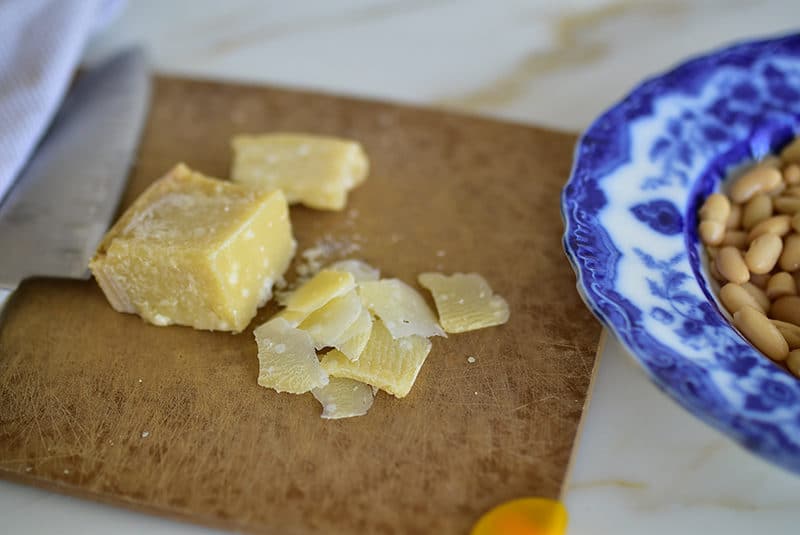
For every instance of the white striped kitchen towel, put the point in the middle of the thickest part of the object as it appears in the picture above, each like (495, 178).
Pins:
(41, 43)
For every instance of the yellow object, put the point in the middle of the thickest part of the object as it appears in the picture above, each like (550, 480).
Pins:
(355, 338)
(323, 287)
(317, 171)
(327, 324)
(195, 251)
(525, 516)
(465, 301)
(294, 317)
(287, 361)
(361, 270)
(386, 363)
(344, 398)
(401, 308)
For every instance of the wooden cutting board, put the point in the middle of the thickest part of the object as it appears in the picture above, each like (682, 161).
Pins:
(170, 420)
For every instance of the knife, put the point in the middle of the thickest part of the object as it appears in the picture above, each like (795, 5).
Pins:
(63, 201)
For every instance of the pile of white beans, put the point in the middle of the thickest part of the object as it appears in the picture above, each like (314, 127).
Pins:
(752, 237)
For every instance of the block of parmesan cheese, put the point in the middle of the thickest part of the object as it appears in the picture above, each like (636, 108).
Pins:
(196, 251)
(316, 171)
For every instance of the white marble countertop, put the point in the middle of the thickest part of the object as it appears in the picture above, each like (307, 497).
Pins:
(643, 465)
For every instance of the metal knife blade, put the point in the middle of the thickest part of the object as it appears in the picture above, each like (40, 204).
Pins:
(63, 202)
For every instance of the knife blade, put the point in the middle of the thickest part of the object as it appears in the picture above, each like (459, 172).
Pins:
(63, 201)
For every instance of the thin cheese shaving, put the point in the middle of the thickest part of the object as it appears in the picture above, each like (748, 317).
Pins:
(360, 270)
(355, 338)
(401, 308)
(326, 324)
(323, 287)
(388, 363)
(465, 302)
(287, 361)
(344, 398)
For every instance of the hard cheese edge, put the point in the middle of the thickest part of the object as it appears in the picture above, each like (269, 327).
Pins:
(196, 251)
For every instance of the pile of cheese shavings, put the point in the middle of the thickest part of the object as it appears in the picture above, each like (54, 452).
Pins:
(311, 260)
(370, 333)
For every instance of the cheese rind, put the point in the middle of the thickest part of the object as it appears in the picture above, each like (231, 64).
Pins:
(465, 301)
(317, 171)
(388, 363)
(287, 361)
(401, 308)
(195, 251)
(344, 398)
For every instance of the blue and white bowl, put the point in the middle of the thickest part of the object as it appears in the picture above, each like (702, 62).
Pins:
(641, 170)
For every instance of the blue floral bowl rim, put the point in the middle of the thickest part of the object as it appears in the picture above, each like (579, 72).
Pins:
(571, 254)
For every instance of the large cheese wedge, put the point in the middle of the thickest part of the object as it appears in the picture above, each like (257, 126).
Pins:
(195, 251)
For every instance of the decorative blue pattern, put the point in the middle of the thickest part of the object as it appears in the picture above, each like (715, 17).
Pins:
(660, 215)
(629, 207)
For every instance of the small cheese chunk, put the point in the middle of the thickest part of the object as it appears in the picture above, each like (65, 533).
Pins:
(317, 171)
(361, 270)
(287, 361)
(195, 251)
(355, 338)
(401, 308)
(465, 302)
(388, 363)
(344, 398)
(327, 324)
(315, 293)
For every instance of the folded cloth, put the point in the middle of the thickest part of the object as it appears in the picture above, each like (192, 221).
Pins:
(41, 43)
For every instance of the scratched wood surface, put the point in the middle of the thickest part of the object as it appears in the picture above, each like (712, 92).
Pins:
(170, 420)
